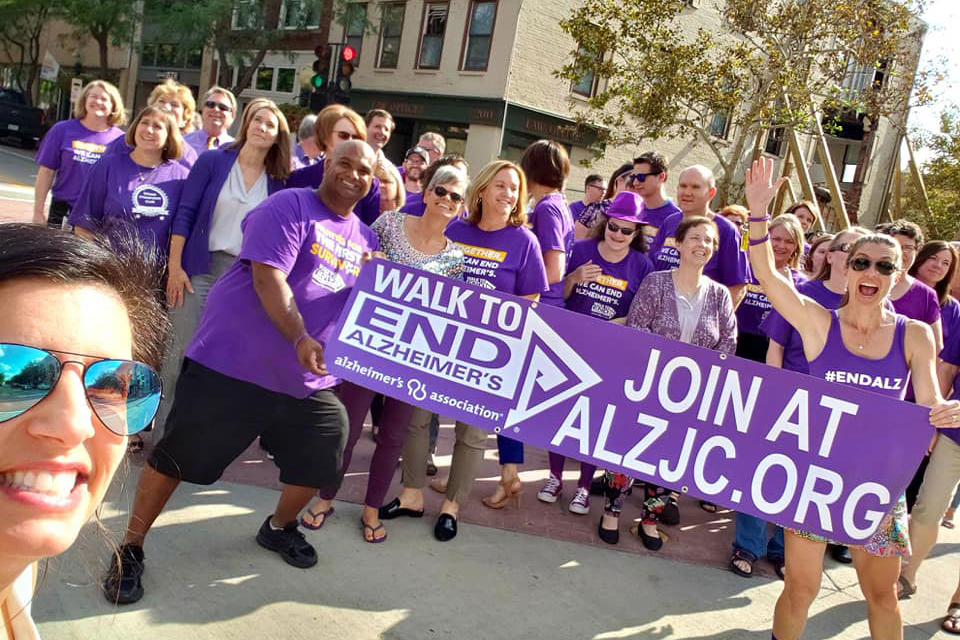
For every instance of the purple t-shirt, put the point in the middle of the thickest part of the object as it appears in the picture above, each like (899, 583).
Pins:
(70, 149)
(576, 209)
(951, 355)
(782, 332)
(120, 193)
(653, 219)
(950, 320)
(507, 260)
(552, 225)
(368, 209)
(919, 303)
(188, 154)
(755, 307)
(414, 205)
(320, 252)
(610, 296)
(728, 266)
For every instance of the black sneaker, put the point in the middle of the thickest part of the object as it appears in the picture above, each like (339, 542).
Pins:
(122, 584)
(289, 543)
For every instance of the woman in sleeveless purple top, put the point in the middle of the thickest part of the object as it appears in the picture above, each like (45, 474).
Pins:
(862, 344)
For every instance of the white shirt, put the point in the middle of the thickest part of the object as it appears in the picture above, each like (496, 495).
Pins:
(17, 606)
(233, 205)
(688, 310)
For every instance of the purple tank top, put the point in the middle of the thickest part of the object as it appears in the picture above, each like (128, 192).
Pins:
(887, 376)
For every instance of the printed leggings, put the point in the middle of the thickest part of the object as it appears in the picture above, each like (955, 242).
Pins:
(655, 498)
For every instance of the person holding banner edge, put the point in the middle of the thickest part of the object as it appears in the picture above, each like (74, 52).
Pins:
(864, 337)
(417, 242)
(494, 225)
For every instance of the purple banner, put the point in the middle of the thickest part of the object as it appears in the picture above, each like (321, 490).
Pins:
(792, 449)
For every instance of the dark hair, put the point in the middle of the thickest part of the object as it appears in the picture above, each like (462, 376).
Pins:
(593, 177)
(657, 161)
(611, 184)
(546, 162)
(128, 268)
(928, 251)
(816, 242)
(905, 228)
(442, 161)
(689, 222)
(598, 232)
(378, 113)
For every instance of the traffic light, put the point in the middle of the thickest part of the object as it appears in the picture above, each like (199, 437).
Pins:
(320, 80)
(342, 85)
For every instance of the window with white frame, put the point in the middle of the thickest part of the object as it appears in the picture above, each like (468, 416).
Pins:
(586, 86)
(263, 81)
(476, 52)
(391, 28)
(431, 35)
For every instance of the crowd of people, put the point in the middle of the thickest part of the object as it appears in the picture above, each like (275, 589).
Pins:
(248, 248)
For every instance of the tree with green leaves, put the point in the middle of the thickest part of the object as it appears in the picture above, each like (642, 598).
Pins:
(941, 176)
(763, 67)
(21, 26)
(108, 22)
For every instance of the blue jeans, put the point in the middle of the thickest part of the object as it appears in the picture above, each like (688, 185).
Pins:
(751, 538)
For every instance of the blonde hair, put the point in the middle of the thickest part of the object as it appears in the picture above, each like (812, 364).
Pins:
(792, 224)
(277, 162)
(117, 117)
(518, 217)
(436, 139)
(173, 148)
(170, 88)
(386, 172)
(329, 116)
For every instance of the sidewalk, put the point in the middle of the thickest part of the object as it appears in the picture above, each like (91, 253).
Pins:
(207, 579)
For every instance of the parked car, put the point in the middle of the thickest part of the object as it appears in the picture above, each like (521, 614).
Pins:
(19, 119)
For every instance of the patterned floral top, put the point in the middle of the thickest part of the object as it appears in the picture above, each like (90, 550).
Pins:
(396, 246)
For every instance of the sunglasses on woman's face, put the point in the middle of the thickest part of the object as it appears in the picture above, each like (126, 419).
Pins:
(613, 226)
(883, 267)
(343, 135)
(124, 394)
(456, 198)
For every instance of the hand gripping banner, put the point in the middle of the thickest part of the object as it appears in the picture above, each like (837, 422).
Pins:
(790, 448)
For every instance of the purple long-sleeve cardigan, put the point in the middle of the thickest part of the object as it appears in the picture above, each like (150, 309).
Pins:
(197, 202)
(654, 310)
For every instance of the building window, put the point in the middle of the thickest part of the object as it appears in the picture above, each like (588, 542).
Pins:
(720, 124)
(356, 24)
(775, 141)
(285, 80)
(431, 35)
(148, 55)
(166, 55)
(391, 26)
(247, 15)
(301, 14)
(476, 53)
(264, 79)
(587, 84)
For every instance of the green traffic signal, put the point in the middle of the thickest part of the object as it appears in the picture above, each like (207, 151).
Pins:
(316, 81)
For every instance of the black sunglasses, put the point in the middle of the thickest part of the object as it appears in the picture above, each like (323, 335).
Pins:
(883, 267)
(640, 177)
(210, 104)
(613, 226)
(343, 135)
(124, 394)
(441, 192)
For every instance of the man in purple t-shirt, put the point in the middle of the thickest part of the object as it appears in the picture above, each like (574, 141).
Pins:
(648, 181)
(256, 363)
(728, 266)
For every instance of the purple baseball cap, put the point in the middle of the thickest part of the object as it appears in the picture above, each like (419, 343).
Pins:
(626, 206)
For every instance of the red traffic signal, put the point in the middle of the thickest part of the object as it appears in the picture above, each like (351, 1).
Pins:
(349, 54)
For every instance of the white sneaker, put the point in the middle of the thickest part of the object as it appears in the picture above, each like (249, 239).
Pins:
(580, 504)
(551, 490)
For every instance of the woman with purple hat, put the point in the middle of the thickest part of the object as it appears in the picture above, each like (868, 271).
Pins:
(682, 304)
(604, 273)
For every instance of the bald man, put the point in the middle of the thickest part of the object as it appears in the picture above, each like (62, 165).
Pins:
(256, 362)
(696, 188)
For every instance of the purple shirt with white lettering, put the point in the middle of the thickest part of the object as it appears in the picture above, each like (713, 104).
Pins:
(70, 149)
(755, 307)
(653, 219)
(120, 193)
(321, 255)
(611, 294)
(728, 266)
(553, 227)
(507, 260)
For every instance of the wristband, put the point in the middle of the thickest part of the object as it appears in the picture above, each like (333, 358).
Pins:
(763, 219)
(296, 343)
(759, 240)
